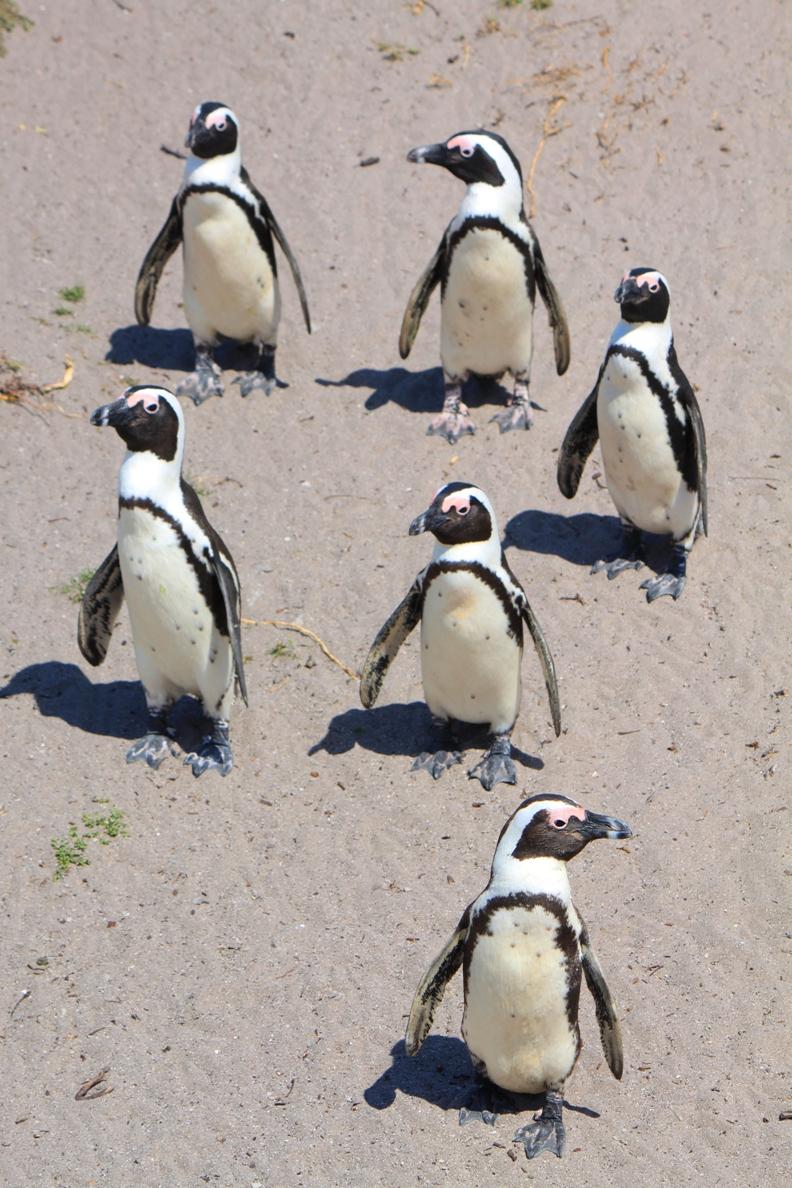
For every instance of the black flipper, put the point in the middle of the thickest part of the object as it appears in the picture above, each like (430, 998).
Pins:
(419, 299)
(275, 228)
(579, 440)
(389, 639)
(100, 608)
(698, 444)
(546, 661)
(222, 565)
(431, 987)
(610, 1032)
(555, 310)
(157, 257)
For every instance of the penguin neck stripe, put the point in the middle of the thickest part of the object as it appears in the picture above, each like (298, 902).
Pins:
(248, 206)
(207, 583)
(485, 575)
(678, 430)
(491, 223)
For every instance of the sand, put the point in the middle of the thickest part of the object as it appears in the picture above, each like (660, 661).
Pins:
(243, 961)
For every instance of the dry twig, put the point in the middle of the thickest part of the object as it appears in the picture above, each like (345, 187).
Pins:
(548, 129)
(84, 1092)
(285, 625)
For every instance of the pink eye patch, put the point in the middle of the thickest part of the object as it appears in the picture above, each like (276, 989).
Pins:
(652, 279)
(146, 397)
(461, 142)
(459, 502)
(217, 119)
(564, 812)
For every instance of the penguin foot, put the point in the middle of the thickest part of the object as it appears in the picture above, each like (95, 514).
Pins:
(616, 566)
(255, 381)
(203, 383)
(496, 767)
(485, 1104)
(436, 763)
(215, 752)
(545, 1133)
(152, 748)
(452, 425)
(516, 416)
(664, 583)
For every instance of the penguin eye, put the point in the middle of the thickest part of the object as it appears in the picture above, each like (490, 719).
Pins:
(467, 151)
(221, 126)
(558, 823)
(654, 288)
(463, 511)
(151, 407)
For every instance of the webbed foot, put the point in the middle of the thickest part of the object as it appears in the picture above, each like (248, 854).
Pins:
(263, 379)
(631, 555)
(151, 748)
(436, 763)
(214, 753)
(205, 380)
(496, 767)
(485, 1103)
(545, 1133)
(455, 420)
(518, 414)
(664, 583)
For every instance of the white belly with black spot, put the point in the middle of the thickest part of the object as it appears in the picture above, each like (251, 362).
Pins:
(487, 317)
(469, 663)
(175, 637)
(640, 468)
(229, 287)
(515, 1019)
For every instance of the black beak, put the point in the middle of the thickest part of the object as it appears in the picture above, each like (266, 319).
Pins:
(192, 132)
(429, 154)
(111, 414)
(427, 521)
(597, 825)
(628, 290)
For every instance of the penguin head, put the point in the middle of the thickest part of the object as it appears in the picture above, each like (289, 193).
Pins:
(459, 514)
(643, 296)
(476, 158)
(213, 131)
(148, 419)
(550, 826)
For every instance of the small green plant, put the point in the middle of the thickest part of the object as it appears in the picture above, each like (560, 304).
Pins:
(73, 293)
(10, 17)
(283, 651)
(63, 311)
(540, 5)
(102, 827)
(75, 588)
(394, 51)
(81, 328)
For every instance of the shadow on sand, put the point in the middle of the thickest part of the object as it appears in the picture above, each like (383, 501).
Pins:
(416, 391)
(581, 539)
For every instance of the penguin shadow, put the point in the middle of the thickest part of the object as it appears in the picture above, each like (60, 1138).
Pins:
(417, 391)
(442, 1075)
(405, 730)
(116, 709)
(580, 539)
(173, 350)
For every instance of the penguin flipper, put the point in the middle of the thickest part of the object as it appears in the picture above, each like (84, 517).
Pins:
(419, 299)
(222, 566)
(156, 258)
(546, 661)
(283, 244)
(610, 1032)
(431, 987)
(389, 639)
(555, 310)
(579, 440)
(687, 398)
(100, 608)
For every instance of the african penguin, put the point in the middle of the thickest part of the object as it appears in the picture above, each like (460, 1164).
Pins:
(651, 433)
(488, 265)
(230, 274)
(179, 579)
(522, 946)
(472, 610)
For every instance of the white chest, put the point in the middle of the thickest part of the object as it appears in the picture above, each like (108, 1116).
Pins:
(470, 663)
(516, 1019)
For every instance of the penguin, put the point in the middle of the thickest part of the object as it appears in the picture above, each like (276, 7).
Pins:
(523, 945)
(179, 579)
(472, 609)
(651, 433)
(488, 265)
(230, 274)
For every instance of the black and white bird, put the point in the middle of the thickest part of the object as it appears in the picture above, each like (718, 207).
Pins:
(489, 265)
(230, 272)
(179, 580)
(472, 610)
(645, 414)
(523, 947)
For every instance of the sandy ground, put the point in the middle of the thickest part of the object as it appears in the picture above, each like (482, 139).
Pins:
(244, 960)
